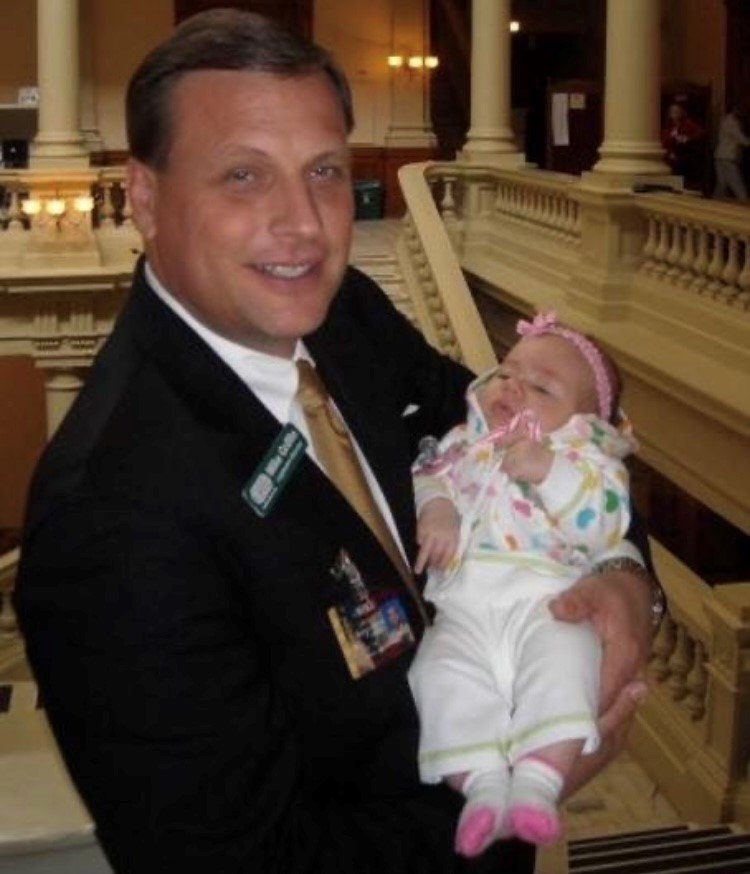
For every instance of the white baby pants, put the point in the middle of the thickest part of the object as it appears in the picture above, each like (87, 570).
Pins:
(497, 681)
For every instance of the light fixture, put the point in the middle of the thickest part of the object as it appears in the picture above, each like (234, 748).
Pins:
(56, 208)
(515, 26)
(412, 63)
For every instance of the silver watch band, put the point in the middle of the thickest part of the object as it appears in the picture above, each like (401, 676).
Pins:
(631, 566)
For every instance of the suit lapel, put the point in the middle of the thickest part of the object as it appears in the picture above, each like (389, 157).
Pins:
(245, 429)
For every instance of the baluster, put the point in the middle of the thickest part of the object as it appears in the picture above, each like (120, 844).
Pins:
(125, 211)
(675, 252)
(566, 217)
(716, 267)
(743, 280)
(700, 267)
(660, 255)
(679, 664)
(545, 210)
(688, 256)
(732, 269)
(448, 203)
(578, 219)
(662, 649)
(697, 683)
(647, 264)
(107, 208)
(15, 213)
(449, 212)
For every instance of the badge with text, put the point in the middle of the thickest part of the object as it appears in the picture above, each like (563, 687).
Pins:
(371, 630)
(271, 476)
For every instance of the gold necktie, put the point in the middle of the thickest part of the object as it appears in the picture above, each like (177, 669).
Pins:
(334, 449)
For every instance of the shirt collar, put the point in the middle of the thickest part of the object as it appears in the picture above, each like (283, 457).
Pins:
(271, 378)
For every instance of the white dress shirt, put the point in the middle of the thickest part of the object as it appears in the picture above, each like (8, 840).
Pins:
(273, 380)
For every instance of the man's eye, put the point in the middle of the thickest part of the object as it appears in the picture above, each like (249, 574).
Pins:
(328, 171)
(241, 175)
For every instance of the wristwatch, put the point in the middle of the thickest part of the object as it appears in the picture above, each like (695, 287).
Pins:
(631, 566)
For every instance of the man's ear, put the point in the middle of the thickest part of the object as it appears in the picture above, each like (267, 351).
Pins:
(142, 186)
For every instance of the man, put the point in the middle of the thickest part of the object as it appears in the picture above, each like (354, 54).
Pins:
(189, 611)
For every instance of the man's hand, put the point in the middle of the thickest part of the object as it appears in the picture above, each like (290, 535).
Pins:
(613, 731)
(618, 605)
(438, 529)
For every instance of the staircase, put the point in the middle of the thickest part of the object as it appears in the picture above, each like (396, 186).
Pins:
(374, 253)
(677, 850)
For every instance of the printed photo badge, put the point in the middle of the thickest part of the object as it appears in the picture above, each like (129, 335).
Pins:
(371, 629)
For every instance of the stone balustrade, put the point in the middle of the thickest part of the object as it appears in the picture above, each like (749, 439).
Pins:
(695, 248)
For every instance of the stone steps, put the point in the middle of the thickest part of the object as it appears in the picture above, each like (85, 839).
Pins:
(677, 850)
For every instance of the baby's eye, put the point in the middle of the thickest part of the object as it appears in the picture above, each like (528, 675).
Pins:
(540, 389)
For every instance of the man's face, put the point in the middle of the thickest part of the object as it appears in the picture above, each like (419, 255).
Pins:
(546, 375)
(249, 224)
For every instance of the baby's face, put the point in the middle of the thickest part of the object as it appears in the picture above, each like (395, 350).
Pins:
(544, 374)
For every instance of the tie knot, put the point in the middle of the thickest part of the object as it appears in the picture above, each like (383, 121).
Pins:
(311, 393)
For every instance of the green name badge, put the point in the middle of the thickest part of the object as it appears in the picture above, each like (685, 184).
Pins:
(271, 476)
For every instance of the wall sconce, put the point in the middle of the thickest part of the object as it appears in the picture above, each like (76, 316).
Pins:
(515, 26)
(54, 210)
(413, 62)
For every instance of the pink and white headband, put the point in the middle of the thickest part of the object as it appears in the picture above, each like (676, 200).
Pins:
(545, 323)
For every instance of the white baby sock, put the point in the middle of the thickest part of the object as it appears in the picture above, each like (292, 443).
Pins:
(482, 819)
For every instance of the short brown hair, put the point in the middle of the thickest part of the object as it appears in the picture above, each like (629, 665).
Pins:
(219, 39)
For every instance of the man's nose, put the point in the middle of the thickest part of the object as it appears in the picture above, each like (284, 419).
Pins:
(295, 209)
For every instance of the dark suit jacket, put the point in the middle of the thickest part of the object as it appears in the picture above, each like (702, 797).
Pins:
(181, 642)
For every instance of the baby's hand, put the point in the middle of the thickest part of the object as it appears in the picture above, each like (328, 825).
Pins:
(527, 461)
(438, 529)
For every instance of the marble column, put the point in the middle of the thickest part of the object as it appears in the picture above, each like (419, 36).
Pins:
(632, 146)
(59, 143)
(490, 138)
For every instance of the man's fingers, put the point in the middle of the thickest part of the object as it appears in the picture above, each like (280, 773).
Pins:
(571, 606)
(616, 719)
(619, 671)
(613, 728)
(422, 557)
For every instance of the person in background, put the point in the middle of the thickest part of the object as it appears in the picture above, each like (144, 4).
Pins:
(730, 142)
(681, 138)
(200, 592)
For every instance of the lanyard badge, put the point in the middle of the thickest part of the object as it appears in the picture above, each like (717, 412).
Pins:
(272, 475)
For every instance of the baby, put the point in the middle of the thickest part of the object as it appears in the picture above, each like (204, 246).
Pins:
(517, 503)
